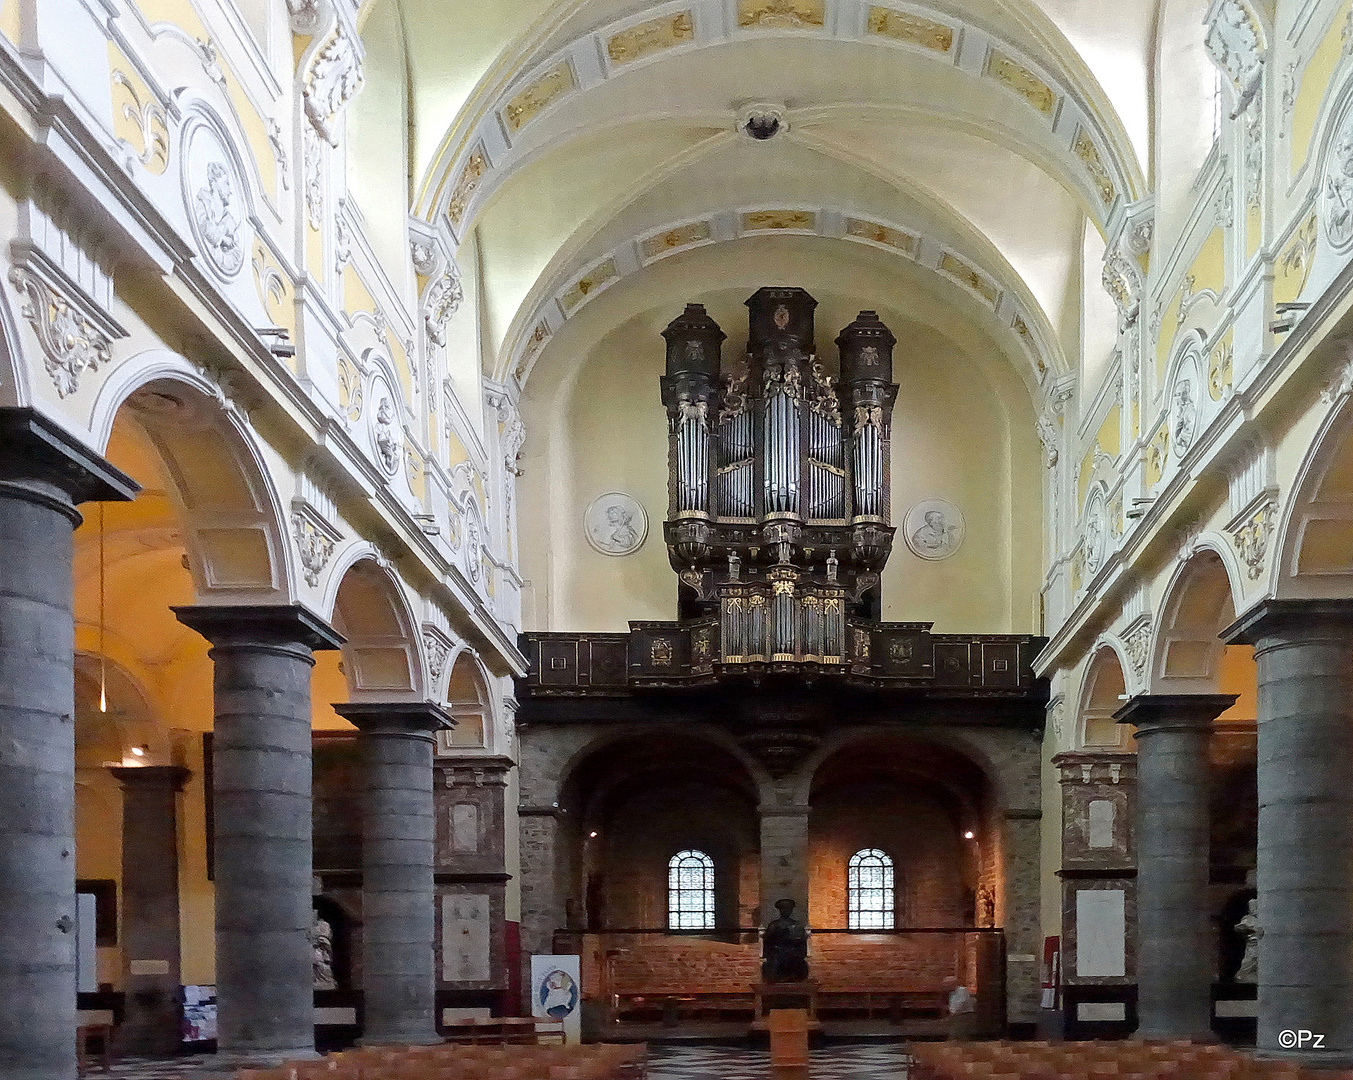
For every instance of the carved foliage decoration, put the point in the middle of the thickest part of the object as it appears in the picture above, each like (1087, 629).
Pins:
(438, 649)
(1338, 189)
(476, 165)
(782, 14)
(909, 28)
(71, 344)
(314, 543)
(140, 122)
(1137, 643)
(650, 37)
(1251, 537)
(1235, 42)
(333, 79)
(444, 297)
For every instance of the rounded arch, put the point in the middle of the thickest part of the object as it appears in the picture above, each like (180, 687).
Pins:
(1187, 653)
(955, 742)
(382, 656)
(1315, 540)
(469, 695)
(214, 469)
(1103, 693)
(920, 801)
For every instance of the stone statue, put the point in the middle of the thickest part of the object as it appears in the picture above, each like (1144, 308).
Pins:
(323, 935)
(1250, 930)
(784, 947)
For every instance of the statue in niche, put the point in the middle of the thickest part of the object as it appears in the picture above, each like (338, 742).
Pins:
(322, 935)
(1250, 932)
(784, 947)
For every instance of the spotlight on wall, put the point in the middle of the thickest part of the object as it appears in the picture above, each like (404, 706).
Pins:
(968, 835)
(592, 835)
(139, 751)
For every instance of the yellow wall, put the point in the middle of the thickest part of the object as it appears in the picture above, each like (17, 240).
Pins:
(953, 437)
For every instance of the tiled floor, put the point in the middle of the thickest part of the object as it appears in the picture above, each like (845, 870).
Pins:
(873, 1062)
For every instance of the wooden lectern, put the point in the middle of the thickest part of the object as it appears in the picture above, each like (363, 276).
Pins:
(788, 1043)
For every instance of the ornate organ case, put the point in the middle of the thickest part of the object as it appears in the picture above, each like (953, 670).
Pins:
(778, 482)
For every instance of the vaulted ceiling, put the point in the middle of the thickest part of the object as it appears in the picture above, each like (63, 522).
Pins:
(572, 144)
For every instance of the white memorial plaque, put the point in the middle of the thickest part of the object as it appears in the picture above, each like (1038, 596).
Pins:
(465, 938)
(1099, 824)
(1101, 1010)
(465, 827)
(933, 529)
(1100, 934)
(556, 992)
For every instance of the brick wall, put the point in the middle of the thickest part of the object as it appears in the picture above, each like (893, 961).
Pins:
(628, 883)
(934, 868)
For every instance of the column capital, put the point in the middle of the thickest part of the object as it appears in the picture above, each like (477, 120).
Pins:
(259, 624)
(36, 449)
(1292, 617)
(1173, 712)
(149, 776)
(396, 717)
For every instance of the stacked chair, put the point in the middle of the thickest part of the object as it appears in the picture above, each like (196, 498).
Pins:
(1126, 1060)
(598, 1061)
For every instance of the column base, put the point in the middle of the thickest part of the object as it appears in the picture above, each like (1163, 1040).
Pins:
(1202, 1038)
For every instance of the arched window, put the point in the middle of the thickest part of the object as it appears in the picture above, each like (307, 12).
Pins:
(869, 882)
(690, 891)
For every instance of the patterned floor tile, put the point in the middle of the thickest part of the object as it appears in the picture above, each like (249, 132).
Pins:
(872, 1062)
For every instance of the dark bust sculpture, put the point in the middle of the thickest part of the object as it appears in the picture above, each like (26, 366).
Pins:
(784, 947)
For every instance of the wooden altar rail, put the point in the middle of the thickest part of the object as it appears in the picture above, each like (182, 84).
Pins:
(894, 971)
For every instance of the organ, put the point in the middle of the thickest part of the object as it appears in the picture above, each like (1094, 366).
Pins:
(778, 522)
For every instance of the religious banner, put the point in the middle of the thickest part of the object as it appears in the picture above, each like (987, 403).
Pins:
(556, 992)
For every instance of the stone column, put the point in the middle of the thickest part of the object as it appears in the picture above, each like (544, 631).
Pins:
(261, 808)
(784, 859)
(1175, 949)
(44, 474)
(150, 907)
(399, 987)
(1304, 653)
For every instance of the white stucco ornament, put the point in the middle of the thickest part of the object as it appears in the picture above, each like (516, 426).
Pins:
(1096, 531)
(933, 529)
(215, 197)
(1338, 194)
(615, 524)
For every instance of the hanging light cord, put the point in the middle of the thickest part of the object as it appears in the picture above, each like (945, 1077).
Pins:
(103, 651)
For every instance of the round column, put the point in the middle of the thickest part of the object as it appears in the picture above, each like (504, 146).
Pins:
(1175, 949)
(399, 987)
(1304, 654)
(44, 473)
(261, 773)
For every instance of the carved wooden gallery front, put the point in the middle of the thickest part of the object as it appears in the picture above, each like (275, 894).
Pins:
(779, 737)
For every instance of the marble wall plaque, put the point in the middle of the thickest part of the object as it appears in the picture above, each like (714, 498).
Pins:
(615, 523)
(933, 529)
(1101, 929)
(1099, 824)
(465, 938)
(465, 828)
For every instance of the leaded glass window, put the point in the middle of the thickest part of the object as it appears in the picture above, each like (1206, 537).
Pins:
(869, 885)
(690, 891)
